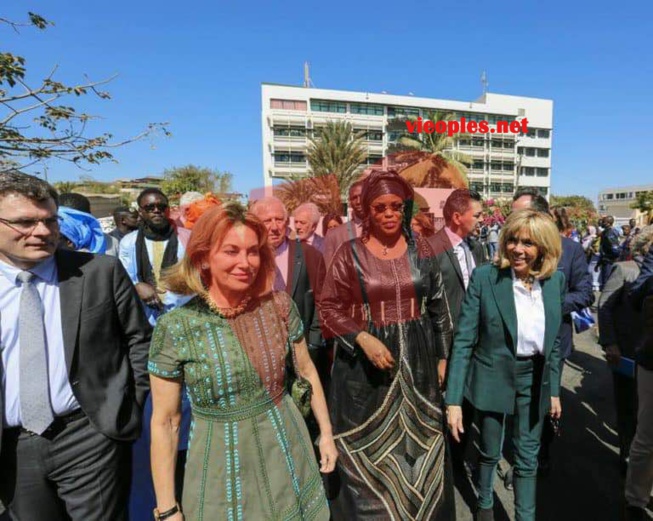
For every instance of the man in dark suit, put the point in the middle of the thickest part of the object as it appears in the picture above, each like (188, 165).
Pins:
(299, 267)
(579, 295)
(74, 364)
(462, 212)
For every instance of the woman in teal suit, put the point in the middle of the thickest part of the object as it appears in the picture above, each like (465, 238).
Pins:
(505, 357)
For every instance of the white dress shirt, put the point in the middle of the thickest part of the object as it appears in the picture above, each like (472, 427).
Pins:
(464, 257)
(530, 317)
(62, 399)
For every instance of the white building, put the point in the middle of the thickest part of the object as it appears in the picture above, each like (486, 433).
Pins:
(617, 201)
(502, 161)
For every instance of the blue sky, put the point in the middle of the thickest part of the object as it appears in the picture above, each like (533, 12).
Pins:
(199, 65)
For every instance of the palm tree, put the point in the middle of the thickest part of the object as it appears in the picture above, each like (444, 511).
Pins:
(322, 190)
(437, 145)
(337, 150)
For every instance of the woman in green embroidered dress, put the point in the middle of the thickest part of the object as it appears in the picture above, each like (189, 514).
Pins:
(250, 454)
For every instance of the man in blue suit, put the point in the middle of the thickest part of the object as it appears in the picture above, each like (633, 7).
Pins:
(573, 264)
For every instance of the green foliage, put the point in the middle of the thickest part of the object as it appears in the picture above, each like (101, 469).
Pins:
(439, 145)
(89, 184)
(580, 210)
(337, 150)
(36, 126)
(191, 178)
(573, 201)
(65, 187)
(644, 202)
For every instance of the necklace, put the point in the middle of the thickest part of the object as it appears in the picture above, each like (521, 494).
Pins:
(230, 312)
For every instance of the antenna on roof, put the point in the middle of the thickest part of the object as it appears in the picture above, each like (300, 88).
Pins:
(484, 82)
(308, 82)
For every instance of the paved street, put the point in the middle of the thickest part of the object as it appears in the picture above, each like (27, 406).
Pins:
(584, 483)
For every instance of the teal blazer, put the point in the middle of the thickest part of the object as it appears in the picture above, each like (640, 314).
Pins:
(483, 357)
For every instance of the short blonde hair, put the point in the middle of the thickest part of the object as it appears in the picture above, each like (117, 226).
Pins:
(544, 234)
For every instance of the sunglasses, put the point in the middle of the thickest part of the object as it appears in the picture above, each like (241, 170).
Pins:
(382, 208)
(162, 207)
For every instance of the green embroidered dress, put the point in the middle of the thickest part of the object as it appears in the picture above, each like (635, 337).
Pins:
(250, 455)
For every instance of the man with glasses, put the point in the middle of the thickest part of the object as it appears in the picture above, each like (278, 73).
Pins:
(74, 346)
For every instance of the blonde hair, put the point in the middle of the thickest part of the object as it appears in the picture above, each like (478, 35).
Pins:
(542, 231)
(187, 277)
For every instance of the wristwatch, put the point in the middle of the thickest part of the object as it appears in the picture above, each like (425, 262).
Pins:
(160, 516)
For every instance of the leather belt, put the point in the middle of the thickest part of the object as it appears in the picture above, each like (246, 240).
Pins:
(59, 423)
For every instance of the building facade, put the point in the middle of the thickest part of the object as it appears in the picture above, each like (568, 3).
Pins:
(502, 162)
(617, 201)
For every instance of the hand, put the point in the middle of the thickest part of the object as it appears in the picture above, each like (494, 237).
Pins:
(455, 421)
(556, 408)
(375, 351)
(612, 354)
(442, 373)
(328, 454)
(148, 295)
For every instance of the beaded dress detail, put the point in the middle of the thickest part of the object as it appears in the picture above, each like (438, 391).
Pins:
(250, 455)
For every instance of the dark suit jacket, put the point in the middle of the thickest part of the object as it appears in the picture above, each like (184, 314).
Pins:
(482, 362)
(620, 322)
(573, 264)
(452, 276)
(318, 243)
(305, 271)
(643, 286)
(106, 341)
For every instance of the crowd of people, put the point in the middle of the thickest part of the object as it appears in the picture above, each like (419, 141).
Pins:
(232, 362)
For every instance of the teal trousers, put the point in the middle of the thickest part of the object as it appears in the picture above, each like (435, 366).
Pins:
(527, 429)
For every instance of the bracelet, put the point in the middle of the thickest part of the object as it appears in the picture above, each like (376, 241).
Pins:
(160, 516)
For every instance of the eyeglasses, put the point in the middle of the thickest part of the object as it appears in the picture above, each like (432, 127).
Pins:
(162, 207)
(382, 208)
(27, 226)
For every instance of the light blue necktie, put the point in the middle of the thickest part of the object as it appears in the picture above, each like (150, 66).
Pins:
(34, 395)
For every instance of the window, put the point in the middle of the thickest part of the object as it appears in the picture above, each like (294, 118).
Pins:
(402, 112)
(328, 106)
(366, 108)
(289, 131)
(543, 133)
(374, 159)
(287, 104)
(496, 143)
(608, 197)
(289, 157)
(530, 152)
(369, 135)
(464, 143)
(495, 166)
(478, 142)
(541, 172)
(542, 152)
(495, 187)
(508, 188)
(528, 170)
(478, 164)
(543, 190)
(532, 132)
(476, 186)
(508, 166)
